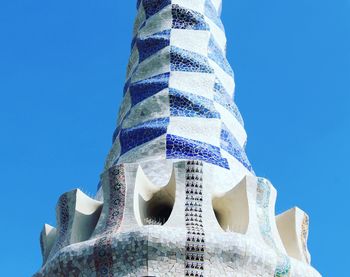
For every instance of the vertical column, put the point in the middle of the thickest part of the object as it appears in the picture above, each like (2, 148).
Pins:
(110, 221)
(195, 244)
(63, 220)
(264, 191)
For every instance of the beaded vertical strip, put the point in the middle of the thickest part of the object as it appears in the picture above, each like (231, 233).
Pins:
(103, 252)
(195, 244)
(304, 236)
(263, 201)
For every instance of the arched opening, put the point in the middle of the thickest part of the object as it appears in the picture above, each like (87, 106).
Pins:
(231, 209)
(153, 204)
(157, 213)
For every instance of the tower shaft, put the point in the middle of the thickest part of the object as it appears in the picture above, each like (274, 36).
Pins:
(178, 97)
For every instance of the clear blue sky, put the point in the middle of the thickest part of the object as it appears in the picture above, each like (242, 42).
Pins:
(62, 67)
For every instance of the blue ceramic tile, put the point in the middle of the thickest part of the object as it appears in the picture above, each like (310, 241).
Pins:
(152, 44)
(183, 60)
(188, 19)
(231, 145)
(225, 100)
(145, 132)
(183, 148)
(216, 54)
(144, 89)
(154, 6)
(191, 105)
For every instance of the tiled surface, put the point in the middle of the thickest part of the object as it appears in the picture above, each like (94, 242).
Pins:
(263, 205)
(195, 244)
(179, 82)
(171, 37)
(186, 245)
(103, 250)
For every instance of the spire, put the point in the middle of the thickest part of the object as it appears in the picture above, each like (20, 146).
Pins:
(178, 97)
(178, 196)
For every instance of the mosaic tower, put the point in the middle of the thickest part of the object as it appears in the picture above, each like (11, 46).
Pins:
(178, 195)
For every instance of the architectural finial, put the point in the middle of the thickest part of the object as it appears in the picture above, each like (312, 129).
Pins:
(178, 196)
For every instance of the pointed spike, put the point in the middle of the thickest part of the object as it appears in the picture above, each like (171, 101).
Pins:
(47, 239)
(293, 227)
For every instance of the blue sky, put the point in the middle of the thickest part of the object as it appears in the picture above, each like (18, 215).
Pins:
(62, 68)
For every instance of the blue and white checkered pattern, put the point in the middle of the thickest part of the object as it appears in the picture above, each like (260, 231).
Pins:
(178, 97)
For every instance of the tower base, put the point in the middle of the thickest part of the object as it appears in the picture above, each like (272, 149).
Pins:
(186, 227)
